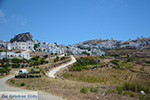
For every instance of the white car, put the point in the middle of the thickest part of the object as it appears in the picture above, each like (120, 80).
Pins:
(23, 71)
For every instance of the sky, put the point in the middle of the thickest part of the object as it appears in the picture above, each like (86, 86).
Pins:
(73, 21)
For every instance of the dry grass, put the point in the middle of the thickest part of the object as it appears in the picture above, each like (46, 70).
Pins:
(70, 87)
(104, 76)
(60, 87)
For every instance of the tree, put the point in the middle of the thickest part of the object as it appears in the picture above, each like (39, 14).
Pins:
(2, 70)
(35, 58)
(62, 58)
(42, 60)
(56, 44)
(1, 50)
(84, 52)
(45, 56)
(56, 59)
(16, 60)
(36, 46)
(4, 59)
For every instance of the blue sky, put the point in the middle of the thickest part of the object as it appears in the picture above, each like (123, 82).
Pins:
(73, 21)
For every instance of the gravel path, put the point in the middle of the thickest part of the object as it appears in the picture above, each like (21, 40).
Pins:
(41, 95)
(53, 71)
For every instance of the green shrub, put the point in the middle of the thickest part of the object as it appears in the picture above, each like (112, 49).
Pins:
(119, 89)
(62, 58)
(43, 60)
(78, 68)
(45, 56)
(22, 84)
(102, 57)
(129, 59)
(83, 90)
(114, 62)
(35, 58)
(2, 70)
(66, 75)
(27, 65)
(147, 62)
(145, 97)
(142, 68)
(15, 65)
(135, 87)
(93, 89)
(132, 94)
(125, 92)
(114, 90)
(1, 50)
(42, 70)
(82, 64)
(22, 66)
(12, 81)
(115, 55)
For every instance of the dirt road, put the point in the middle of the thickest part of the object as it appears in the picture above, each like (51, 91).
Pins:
(53, 71)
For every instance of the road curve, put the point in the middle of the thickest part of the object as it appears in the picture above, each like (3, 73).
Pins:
(41, 95)
(53, 71)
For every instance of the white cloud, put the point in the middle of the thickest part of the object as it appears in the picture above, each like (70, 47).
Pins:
(1, 14)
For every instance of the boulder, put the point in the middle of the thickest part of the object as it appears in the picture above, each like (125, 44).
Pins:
(22, 37)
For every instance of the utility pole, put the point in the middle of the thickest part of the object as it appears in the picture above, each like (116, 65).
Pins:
(6, 60)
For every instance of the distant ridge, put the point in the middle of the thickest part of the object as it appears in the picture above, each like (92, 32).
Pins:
(142, 39)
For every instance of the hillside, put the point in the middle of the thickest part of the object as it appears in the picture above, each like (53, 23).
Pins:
(142, 39)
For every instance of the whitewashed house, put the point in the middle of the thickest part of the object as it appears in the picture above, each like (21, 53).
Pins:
(133, 44)
(22, 45)
(11, 55)
(2, 42)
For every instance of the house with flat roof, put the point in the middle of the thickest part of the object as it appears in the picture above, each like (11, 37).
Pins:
(22, 45)
(11, 55)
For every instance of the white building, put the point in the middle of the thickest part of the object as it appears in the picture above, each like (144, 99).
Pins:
(11, 55)
(22, 45)
(2, 42)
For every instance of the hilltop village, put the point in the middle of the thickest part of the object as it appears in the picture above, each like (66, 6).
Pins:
(24, 41)
(90, 70)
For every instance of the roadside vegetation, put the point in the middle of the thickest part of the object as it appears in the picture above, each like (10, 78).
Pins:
(60, 58)
(82, 64)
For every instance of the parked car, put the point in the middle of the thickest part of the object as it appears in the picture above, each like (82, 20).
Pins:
(23, 71)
